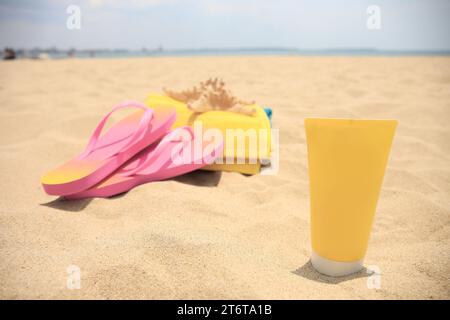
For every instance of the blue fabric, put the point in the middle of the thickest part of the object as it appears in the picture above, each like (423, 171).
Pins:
(268, 112)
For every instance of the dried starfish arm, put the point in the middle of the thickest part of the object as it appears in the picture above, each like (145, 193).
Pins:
(184, 96)
(199, 105)
(244, 109)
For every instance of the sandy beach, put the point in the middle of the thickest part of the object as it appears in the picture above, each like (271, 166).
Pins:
(218, 235)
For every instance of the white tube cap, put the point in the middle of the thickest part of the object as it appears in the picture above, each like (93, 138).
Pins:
(335, 268)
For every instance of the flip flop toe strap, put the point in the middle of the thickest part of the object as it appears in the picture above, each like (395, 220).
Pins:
(138, 133)
(179, 134)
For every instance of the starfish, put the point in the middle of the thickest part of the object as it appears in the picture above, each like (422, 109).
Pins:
(212, 95)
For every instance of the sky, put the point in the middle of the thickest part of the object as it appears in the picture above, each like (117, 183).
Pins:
(197, 24)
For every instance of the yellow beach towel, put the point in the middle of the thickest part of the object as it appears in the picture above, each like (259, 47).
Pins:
(245, 154)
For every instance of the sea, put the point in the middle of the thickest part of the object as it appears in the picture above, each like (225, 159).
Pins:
(123, 53)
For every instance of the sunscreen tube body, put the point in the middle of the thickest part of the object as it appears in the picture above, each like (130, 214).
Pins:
(346, 162)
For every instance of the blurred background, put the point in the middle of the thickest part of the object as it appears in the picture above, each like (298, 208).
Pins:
(155, 27)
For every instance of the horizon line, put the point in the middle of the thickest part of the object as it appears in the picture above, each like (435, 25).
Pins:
(231, 49)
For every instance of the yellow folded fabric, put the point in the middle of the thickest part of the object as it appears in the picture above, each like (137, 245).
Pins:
(248, 151)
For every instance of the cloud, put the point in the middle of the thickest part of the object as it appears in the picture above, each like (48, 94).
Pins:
(221, 7)
(136, 3)
(97, 3)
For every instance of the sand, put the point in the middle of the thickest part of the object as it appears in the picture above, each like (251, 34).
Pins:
(212, 235)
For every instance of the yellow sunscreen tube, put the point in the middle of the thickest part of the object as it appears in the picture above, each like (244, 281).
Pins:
(346, 160)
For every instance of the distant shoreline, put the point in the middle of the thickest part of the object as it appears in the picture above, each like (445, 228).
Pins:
(122, 53)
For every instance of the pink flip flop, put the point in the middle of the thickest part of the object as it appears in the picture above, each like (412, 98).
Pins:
(179, 152)
(105, 154)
